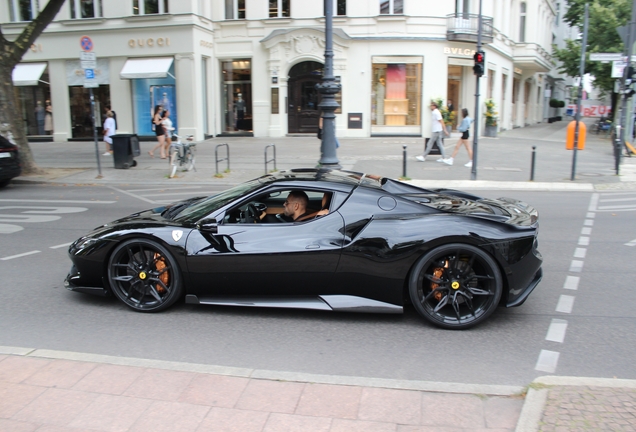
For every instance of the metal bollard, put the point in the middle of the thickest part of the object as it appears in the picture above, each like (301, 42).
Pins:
(534, 158)
(273, 159)
(226, 158)
(404, 161)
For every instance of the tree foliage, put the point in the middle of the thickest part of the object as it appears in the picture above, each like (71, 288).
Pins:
(11, 52)
(605, 16)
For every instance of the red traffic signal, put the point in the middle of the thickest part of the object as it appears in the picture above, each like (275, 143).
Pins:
(480, 63)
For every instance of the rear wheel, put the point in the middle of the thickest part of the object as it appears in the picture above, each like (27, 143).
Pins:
(190, 159)
(174, 160)
(455, 286)
(144, 275)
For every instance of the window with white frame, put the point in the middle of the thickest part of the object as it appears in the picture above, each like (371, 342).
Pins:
(24, 10)
(149, 7)
(339, 8)
(522, 22)
(86, 8)
(391, 7)
(279, 8)
(234, 9)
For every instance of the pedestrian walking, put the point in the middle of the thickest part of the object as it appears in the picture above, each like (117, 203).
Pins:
(438, 130)
(48, 118)
(167, 127)
(463, 128)
(159, 132)
(109, 131)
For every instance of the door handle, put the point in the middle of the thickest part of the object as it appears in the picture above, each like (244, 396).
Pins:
(312, 246)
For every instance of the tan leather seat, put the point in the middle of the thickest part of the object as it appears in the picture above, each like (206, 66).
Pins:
(326, 198)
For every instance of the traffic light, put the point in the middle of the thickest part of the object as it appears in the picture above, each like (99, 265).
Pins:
(480, 63)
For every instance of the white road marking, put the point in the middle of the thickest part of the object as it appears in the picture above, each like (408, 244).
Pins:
(9, 228)
(580, 252)
(593, 202)
(571, 283)
(547, 361)
(132, 195)
(586, 231)
(584, 241)
(61, 245)
(57, 201)
(590, 215)
(618, 200)
(19, 255)
(565, 304)
(165, 189)
(576, 266)
(631, 243)
(588, 222)
(556, 331)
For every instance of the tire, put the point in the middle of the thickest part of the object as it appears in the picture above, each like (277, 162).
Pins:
(190, 159)
(4, 183)
(455, 286)
(174, 160)
(144, 275)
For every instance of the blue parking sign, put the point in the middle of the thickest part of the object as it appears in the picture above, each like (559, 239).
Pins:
(89, 73)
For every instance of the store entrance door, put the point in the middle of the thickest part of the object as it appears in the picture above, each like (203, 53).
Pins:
(303, 112)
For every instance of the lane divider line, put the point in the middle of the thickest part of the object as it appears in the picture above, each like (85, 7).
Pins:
(565, 304)
(547, 361)
(571, 283)
(19, 255)
(556, 331)
(61, 245)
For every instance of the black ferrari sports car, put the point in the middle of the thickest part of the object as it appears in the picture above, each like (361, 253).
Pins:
(365, 244)
(9, 162)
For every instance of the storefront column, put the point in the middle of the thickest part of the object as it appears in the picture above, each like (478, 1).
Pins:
(186, 87)
(60, 101)
(121, 96)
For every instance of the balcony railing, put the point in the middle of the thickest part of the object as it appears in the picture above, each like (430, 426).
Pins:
(464, 27)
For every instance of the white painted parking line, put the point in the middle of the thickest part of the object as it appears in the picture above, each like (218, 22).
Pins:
(164, 189)
(576, 266)
(580, 252)
(571, 283)
(547, 361)
(61, 245)
(584, 241)
(133, 195)
(19, 255)
(565, 304)
(605, 200)
(590, 215)
(556, 331)
(588, 222)
(586, 231)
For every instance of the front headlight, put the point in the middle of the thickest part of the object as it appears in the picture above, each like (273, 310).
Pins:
(83, 243)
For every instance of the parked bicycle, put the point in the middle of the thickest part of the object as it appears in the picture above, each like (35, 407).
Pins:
(603, 125)
(182, 153)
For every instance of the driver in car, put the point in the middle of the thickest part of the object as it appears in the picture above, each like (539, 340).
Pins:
(295, 208)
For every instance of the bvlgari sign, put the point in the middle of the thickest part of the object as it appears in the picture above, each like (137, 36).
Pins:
(468, 52)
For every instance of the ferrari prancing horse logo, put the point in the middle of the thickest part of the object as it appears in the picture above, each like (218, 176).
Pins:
(176, 234)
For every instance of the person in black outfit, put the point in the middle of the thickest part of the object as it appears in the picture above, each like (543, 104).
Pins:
(157, 119)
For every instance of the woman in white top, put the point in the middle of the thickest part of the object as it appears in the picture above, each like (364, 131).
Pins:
(109, 131)
(167, 127)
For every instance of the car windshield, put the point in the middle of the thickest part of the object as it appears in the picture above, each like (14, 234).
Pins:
(203, 208)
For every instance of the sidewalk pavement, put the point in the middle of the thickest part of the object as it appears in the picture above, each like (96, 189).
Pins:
(504, 162)
(56, 391)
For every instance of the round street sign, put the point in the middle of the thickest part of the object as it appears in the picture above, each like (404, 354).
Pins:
(86, 43)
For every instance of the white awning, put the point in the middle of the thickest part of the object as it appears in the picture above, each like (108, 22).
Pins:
(28, 74)
(143, 68)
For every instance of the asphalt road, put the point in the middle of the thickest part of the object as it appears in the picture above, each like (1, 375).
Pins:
(588, 331)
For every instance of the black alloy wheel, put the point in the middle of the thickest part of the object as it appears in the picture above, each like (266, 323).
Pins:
(144, 275)
(455, 286)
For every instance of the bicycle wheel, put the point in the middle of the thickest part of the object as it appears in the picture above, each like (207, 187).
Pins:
(174, 160)
(190, 159)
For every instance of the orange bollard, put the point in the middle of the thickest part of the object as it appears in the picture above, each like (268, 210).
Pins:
(569, 138)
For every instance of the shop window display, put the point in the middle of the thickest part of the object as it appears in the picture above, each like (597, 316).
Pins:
(237, 96)
(396, 97)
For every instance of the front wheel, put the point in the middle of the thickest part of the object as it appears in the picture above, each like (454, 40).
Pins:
(144, 275)
(174, 160)
(455, 286)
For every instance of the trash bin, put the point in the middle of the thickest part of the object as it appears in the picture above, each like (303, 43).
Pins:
(125, 148)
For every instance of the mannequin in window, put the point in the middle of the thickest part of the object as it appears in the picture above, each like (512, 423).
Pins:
(239, 106)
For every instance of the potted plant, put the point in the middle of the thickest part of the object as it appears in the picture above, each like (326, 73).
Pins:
(491, 119)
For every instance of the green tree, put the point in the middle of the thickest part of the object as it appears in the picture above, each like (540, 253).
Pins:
(605, 16)
(11, 52)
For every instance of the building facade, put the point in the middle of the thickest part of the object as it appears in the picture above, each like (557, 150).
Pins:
(227, 67)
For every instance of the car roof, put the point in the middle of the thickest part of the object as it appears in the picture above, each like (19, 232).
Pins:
(349, 178)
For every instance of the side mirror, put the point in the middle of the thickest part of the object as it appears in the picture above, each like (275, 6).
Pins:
(208, 225)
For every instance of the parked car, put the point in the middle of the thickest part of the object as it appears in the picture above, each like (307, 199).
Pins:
(9, 162)
(367, 244)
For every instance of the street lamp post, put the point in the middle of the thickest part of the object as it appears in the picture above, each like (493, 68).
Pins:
(328, 88)
(473, 169)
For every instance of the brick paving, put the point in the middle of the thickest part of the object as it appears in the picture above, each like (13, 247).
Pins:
(59, 395)
(586, 408)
